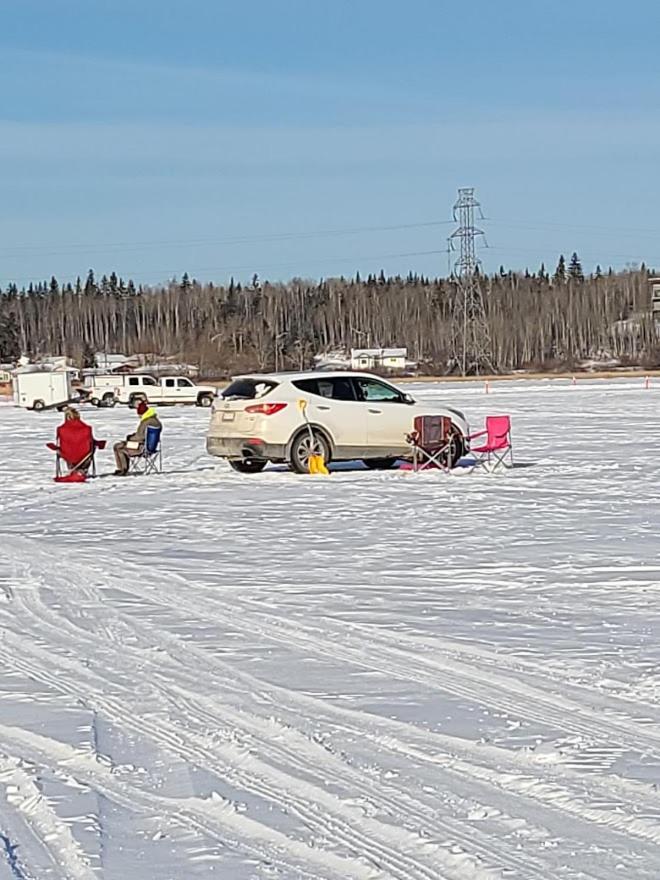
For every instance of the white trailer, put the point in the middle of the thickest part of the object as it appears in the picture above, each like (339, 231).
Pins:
(42, 389)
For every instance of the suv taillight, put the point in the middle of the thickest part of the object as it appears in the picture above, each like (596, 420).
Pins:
(265, 409)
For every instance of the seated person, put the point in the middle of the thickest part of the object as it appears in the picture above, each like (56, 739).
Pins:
(134, 443)
(75, 442)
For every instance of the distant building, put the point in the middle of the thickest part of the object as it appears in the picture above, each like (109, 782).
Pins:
(110, 361)
(379, 358)
(655, 297)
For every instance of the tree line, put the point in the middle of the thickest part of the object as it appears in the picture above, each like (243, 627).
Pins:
(536, 320)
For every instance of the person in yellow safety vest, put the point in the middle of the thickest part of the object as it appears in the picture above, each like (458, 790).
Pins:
(134, 443)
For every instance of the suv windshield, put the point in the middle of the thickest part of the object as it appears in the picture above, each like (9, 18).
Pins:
(248, 389)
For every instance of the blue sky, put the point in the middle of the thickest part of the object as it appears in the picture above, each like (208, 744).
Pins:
(282, 136)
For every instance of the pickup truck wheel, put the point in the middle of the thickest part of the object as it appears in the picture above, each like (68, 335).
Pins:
(205, 400)
(109, 399)
(38, 405)
(380, 464)
(135, 399)
(95, 401)
(247, 465)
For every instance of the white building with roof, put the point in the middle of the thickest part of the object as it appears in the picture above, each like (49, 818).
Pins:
(379, 358)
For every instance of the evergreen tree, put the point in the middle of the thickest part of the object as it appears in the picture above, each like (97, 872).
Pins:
(575, 268)
(560, 271)
(90, 283)
(10, 348)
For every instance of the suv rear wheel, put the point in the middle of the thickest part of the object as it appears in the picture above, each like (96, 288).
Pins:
(303, 446)
(247, 465)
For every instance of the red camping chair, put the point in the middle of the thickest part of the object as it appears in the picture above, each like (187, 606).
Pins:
(431, 441)
(75, 447)
(497, 451)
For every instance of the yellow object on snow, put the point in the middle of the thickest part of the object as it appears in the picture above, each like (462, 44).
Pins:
(315, 462)
(316, 465)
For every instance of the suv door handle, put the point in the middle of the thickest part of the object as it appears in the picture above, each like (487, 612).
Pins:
(318, 406)
(377, 411)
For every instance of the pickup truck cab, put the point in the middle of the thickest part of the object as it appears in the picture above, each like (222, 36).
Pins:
(131, 388)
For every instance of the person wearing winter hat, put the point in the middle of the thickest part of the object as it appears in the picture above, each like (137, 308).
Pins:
(134, 443)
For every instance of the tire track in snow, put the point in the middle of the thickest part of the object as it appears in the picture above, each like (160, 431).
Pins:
(213, 816)
(387, 847)
(596, 814)
(526, 783)
(457, 677)
(470, 838)
(24, 795)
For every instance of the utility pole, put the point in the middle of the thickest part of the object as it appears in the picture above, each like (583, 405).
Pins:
(470, 333)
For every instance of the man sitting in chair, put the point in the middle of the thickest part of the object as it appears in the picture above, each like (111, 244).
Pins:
(134, 443)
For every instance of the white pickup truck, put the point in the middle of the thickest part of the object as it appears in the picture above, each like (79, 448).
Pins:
(131, 388)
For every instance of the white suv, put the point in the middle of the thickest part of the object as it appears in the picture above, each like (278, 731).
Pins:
(257, 419)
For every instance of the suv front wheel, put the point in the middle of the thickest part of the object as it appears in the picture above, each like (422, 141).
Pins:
(303, 446)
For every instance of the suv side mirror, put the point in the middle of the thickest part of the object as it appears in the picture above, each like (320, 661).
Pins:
(408, 399)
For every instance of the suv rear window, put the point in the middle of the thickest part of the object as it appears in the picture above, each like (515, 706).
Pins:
(249, 389)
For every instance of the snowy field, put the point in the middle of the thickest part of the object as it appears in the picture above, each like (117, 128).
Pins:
(370, 676)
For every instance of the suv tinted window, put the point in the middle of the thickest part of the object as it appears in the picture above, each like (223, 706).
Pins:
(370, 389)
(335, 388)
(249, 389)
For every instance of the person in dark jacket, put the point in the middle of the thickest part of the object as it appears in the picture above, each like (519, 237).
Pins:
(134, 443)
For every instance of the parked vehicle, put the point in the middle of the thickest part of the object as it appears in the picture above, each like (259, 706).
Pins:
(258, 419)
(131, 388)
(43, 389)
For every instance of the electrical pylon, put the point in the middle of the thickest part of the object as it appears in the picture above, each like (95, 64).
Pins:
(472, 352)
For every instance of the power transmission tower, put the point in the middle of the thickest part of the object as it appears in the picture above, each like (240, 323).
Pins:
(470, 333)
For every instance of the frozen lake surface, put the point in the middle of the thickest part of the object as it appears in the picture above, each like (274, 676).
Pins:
(371, 675)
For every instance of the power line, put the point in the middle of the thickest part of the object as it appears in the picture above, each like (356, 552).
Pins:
(51, 250)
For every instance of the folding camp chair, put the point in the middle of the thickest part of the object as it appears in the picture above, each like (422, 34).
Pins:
(431, 440)
(150, 460)
(75, 471)
(497, 451)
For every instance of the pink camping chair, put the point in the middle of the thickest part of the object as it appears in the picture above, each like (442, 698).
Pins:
(497, 451)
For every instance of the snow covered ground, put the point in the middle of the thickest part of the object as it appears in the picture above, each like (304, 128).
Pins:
(370, 676)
